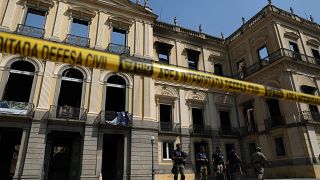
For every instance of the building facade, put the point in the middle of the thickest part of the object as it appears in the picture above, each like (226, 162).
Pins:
(58, 120)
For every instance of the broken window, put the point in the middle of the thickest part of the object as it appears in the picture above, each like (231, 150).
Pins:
(165, 113)
(316, 55)
(193, 59)
(115, 94)
(274, 112)
(280, 150)
(197, 116)
(20, 81)
(79, 28)
(225, 121)
(119, 36)
(218, 70)
(35, 18)
(295, 51)
(163, 52)
(249, 117)
(313, 108)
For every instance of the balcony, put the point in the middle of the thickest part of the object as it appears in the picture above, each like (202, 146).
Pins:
(169, 127)
(68, 113)
(309, 116)
(273, 122)
(30, 31)
(113, 118)
(248, 130)
(273, 57)
(200, 130)
(77, 40)
(13, 108)
(229, 131)
(118, 49)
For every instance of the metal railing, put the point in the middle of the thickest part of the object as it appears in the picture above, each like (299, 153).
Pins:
(114, 118)
(68, 112)
(118, 49)
(309, 116)
(273, 57)
(229, 131)
(274, 121)
(169, 127)
(77, 40)
(16, 108)
(198, 129)
(30, 31)
(249, 130)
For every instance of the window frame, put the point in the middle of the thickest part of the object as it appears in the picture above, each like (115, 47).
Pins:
(168, 152)
(35, 9)
(125, 35)
(276, 148)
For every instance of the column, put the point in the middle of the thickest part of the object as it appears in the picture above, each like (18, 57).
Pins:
(139, 38)
(137, 97)
(101, 30)
(148, 40)
(22, 153)
(95, 99)
(59, 23)
(9, 14)
(89, 156)
(149, 99)
(33, 166)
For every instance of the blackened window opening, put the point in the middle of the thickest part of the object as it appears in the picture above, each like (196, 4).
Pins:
(249, 117)
(164, 52)
(193, 59)
(225, 120)
(218, 69)
(116, 94)
(71, 88)
(197, 116)
(165, 113)
(294, 47)
(280, 150)
(252, 148)
(274, 112)
(20, 81)
(313, 108)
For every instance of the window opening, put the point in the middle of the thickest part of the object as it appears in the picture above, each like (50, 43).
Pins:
(119, 36)
(35, 18)
(280, 150)
(218, 70)
(116, 94)
(167, 150)
(193, 59)
(197, 116)
(79, 27)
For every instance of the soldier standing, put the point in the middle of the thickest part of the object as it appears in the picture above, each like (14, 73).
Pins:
(258, 160)
(202, 160)
(234, 165)
(178, 158)
(219, 165)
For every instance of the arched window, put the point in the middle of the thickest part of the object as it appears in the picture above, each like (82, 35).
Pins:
(20, 81)
(71, 88)
(116, 94)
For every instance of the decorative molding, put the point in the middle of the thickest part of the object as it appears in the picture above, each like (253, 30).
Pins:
(313, 42)
(292, 35)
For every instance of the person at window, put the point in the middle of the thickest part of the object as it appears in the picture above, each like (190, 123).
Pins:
(258, 160)
(234, 164)
(202, 160)
(178, 157)
(218, 163)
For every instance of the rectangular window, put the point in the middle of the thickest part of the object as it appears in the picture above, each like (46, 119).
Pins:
(197, 116)
(252, 148)
(193, 58)
(218, 69)
(164, 56)
(316, 55)
(119, 36)
(274, 112)
(79, 28)
(35, 18)
(249, 117)
(294, 47)
(163, 50)
(313, 108)
(280, 150)
(263, 53)
(225, 120)
(167, 150)
(165, 113)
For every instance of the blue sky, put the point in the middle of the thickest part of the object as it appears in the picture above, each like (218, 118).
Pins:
(217, 16)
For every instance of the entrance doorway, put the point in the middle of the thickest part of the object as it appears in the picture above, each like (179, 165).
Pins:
(10, 139)
(62, 159)
(112, 157)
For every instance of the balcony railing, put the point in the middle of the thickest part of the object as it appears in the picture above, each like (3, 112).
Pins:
(16, 108)
(68, 112)
(273, 57)
(77, 40)
(309, 116)
(169, 127)
(274, 121)
(249, 130)
(123, 118)
(30, 31)
(198, 129)
(118, 49)
(229, 131)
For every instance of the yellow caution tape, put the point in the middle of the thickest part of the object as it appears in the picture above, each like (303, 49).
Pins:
(58, 52)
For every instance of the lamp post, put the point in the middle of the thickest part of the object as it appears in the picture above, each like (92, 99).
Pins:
(152, 165)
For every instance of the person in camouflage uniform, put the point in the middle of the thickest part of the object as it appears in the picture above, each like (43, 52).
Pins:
(258, 160)
(178, 157)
